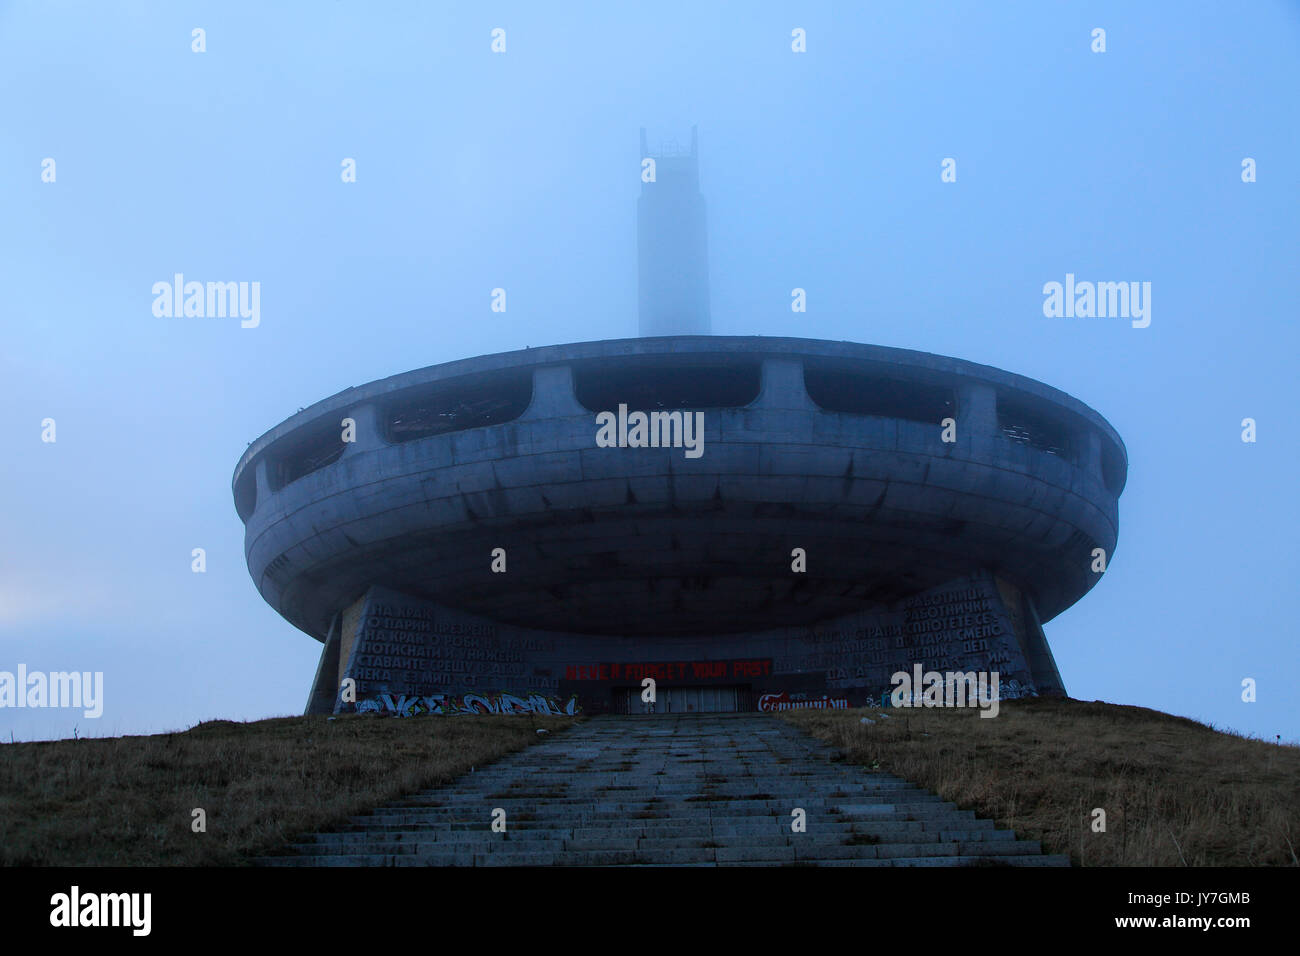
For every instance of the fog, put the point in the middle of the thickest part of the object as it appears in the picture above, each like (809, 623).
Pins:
(520, 170)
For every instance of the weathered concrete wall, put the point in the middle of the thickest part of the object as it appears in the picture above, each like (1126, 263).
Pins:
(350, 621)
(606, 538)
(411, 648)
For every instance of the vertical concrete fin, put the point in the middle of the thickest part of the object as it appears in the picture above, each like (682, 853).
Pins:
(324, 688)
(783, 386)
(553, 395)
(351, 620)
(369, 428)
(1039, 654)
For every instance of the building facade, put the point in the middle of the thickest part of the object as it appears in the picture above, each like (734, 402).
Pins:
(792, 522)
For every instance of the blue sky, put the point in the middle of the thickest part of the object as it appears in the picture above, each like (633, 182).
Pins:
(521, 170)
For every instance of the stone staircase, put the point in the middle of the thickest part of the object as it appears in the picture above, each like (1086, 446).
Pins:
(687, 790)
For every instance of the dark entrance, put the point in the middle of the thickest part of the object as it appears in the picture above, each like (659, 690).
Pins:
(685, 700)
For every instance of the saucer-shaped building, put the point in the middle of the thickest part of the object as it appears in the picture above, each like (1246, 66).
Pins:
(789, 523)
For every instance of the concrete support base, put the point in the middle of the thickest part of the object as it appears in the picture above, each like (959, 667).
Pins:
(392, 652)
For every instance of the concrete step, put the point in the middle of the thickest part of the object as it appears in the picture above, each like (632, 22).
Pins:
(803, 846)
(585, 839)
(669, 791)
(836, 856)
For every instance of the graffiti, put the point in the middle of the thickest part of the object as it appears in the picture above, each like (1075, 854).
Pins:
(1014, 690)
(402, 705)
(512, 704)
(782, 701)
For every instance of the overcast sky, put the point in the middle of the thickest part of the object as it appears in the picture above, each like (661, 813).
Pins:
(520, 170)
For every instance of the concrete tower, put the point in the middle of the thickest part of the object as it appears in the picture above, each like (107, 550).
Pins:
(672, 245)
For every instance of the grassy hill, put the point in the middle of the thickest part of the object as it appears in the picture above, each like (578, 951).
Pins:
(1175, 792)
(128, 801)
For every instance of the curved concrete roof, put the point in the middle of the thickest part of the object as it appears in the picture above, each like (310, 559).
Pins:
(648, 541)
(751, 345)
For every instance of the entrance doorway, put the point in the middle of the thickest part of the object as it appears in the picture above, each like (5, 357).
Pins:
(684, 700)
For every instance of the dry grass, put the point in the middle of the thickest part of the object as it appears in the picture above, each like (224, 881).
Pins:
(1176, 792)
(127, 801)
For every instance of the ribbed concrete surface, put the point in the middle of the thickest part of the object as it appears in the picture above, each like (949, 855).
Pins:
(702, 790)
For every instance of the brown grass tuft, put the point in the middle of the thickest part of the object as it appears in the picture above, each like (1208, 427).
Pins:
(127, 801)
(1176, 792)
